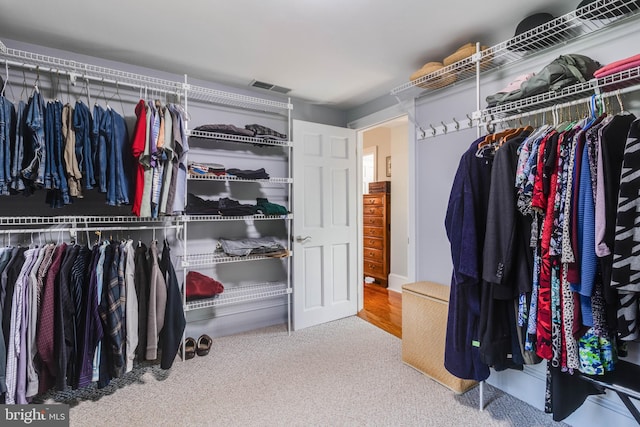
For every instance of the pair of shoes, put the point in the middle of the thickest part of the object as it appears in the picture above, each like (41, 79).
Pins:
(188, 350)
(204, 345)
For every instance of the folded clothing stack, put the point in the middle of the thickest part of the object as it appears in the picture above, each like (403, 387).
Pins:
(225, 206)
(265, 132)
(248, 173)
(230, 207)
(199, 206)
(252, 130)
(617, 66)
(253, 246)
(226, 129)
(206, 169)
(267, 208)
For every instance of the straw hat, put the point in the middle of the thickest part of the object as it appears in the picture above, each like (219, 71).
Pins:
(466, 51)
(434, 82)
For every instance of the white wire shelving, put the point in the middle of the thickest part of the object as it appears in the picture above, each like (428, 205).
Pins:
(209, 259)
(241, 294)
(95, 219)
(79, 70)
(204, 94)
(186, 93)
(256, 217)
(224, 137)
(623, 80)
(586, 20)
(198, 177)
(84, 71)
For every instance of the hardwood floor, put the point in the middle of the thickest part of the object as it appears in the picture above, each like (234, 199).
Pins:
(382, 309)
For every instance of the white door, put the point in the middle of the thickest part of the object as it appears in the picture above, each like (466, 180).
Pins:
(325, 229)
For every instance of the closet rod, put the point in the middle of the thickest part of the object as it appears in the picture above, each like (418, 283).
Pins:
(76, 229)
(74, 75)
(563, 105)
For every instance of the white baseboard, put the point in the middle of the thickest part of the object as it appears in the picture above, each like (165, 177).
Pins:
(396, 281)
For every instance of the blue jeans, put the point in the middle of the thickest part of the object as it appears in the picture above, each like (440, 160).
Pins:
(7, 116)
(99, 148)
(60, 179)
(48, 143)
(18, 150)
(123, 158)
(118, 157)
(82, 126)
(35, 121)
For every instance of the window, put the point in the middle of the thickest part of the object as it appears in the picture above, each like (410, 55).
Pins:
(369, 163)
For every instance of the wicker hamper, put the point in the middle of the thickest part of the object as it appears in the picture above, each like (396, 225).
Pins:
(424, 324)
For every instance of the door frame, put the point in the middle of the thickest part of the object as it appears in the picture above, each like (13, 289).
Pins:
(360, 125)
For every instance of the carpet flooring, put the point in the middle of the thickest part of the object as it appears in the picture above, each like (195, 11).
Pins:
(343, 373)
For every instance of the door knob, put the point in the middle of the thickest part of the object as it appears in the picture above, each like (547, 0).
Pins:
(301, 239)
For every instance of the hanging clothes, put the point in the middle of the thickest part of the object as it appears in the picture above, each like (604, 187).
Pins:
(64, 337)
(507, 261)
(174, 319)
(91, 328)
(551, 274)
(625, 275)
(46, 326)
(179, 175)
(116, 135)
(157, 303)
(34, 147)
(137, 149)
(83, 126)
(70, 158)
(99, 148)
(464, 223)
(7, 126)
(131, 306)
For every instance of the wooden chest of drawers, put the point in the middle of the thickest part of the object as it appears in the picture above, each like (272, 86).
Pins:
(376, 231)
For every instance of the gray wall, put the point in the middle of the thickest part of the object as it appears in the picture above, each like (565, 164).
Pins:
(302, 110)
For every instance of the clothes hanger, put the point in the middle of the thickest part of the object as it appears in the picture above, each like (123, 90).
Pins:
(24, 84)
(57, 85)
(86, 88)
(120, 98)
(6, 78)
(7, 85)
(622, 112)
(101, 93)
(562, 124)
(35, 84)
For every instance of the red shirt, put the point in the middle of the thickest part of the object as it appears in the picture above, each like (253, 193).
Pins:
(137, 148)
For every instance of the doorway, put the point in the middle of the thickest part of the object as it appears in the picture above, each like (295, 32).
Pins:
(385, 162)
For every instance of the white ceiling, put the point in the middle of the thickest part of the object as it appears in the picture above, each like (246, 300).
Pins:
(339, 53)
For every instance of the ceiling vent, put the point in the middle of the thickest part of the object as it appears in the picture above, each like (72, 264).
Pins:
(269, 86)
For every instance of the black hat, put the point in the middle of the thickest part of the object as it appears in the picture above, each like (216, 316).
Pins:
(545, 38)
(612, 10)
